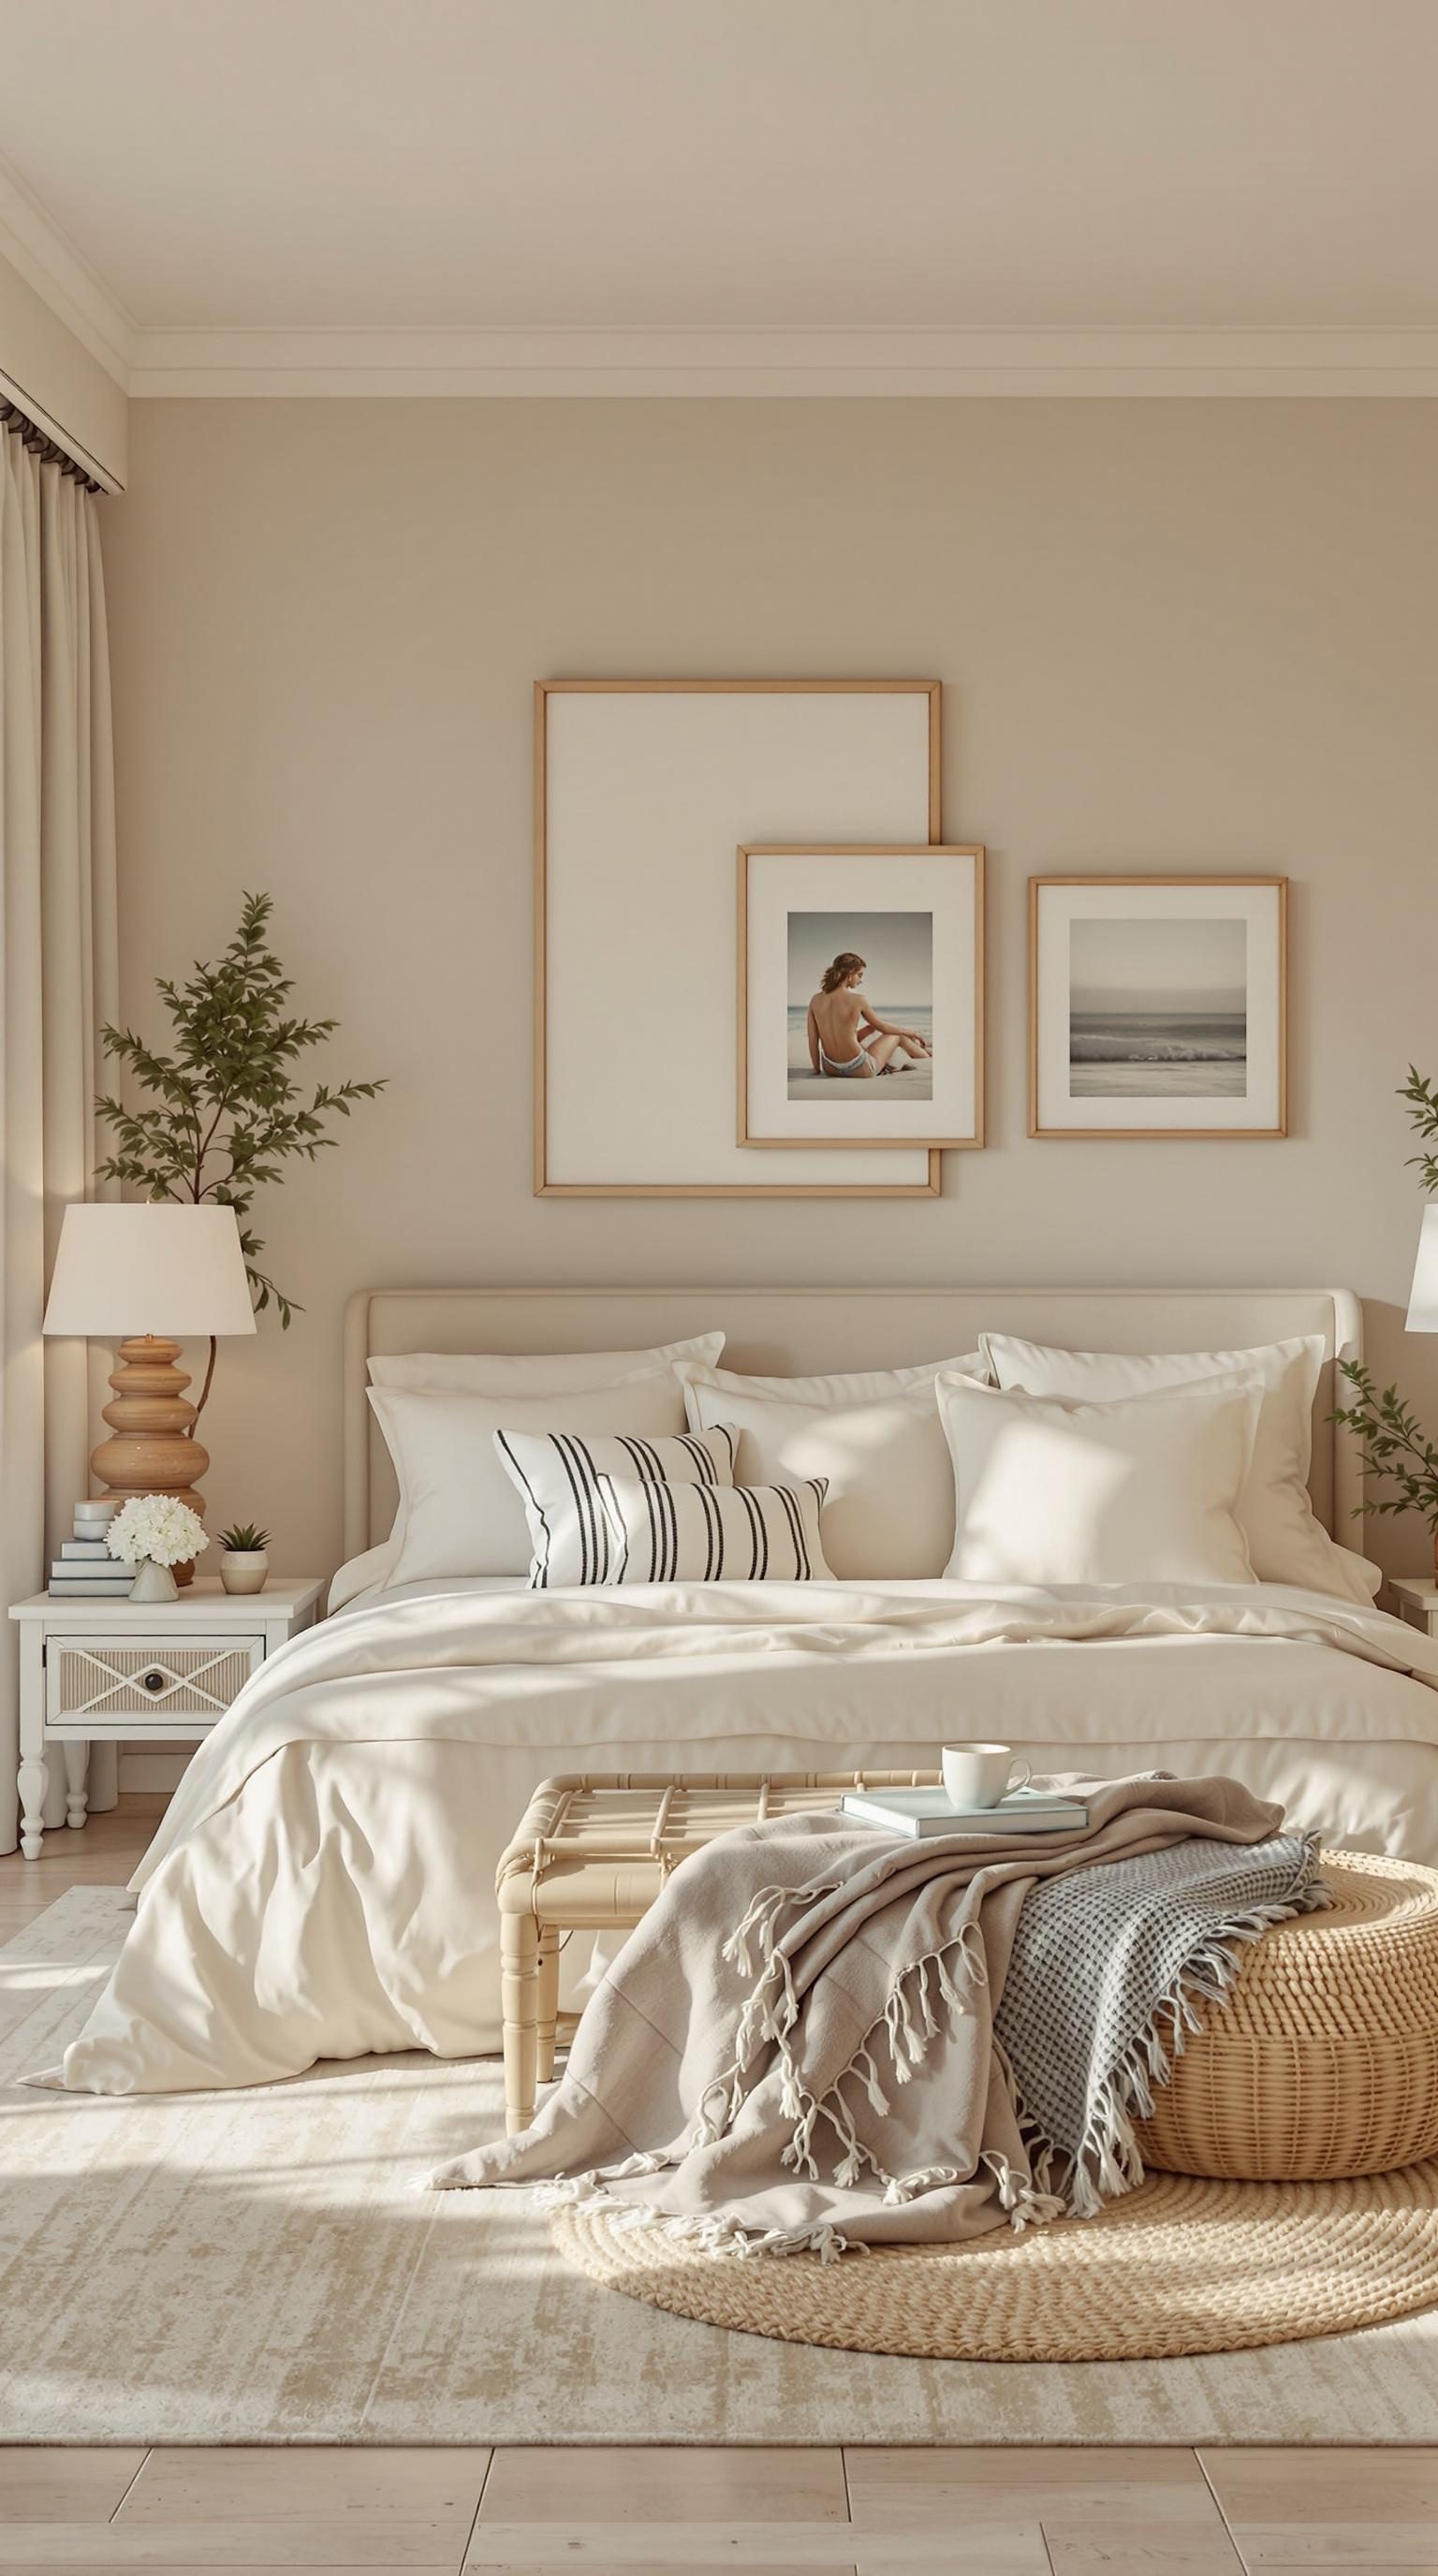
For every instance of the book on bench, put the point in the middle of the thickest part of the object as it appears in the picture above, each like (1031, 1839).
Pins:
(922, 1812)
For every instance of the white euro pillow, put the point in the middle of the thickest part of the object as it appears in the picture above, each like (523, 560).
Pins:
(458, 1512)
(531, 1373)
(889, 1509)
(847, 1386)
(1286, 1541)
(1144, 1491)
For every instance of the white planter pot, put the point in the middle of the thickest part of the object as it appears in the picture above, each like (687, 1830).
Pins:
(153, 1583)
(243, 1569)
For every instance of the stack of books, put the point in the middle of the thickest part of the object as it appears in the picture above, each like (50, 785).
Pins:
(85, 1570)
(922, 1812)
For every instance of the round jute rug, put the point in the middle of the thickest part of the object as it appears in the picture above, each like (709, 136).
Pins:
(1179, 2266)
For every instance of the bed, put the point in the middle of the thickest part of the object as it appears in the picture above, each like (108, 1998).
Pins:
(322, 1884)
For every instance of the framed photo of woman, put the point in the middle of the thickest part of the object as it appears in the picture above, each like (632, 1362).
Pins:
(861, 995)
(1158, 1006)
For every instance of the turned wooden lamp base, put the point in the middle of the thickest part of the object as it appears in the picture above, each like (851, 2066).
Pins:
(153, 1450)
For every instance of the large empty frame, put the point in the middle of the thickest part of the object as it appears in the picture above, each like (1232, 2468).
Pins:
(643, 790)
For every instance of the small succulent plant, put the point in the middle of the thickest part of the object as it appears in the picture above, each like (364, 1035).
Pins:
(243, 1539)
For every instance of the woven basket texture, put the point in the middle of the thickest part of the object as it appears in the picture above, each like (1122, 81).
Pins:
(1324, 2060)
(1179, 2266)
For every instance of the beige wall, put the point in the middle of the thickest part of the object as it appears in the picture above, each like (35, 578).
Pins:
(1171, 635)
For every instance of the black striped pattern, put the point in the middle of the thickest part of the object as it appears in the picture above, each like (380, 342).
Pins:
(714, 1533)
(559, 1476)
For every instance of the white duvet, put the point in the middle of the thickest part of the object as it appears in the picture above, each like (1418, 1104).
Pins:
(322, 1884)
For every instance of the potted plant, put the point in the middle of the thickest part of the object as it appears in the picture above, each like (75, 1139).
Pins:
(224, 1113)
(244, 1563)
(155, 1533)
(1396, 1450)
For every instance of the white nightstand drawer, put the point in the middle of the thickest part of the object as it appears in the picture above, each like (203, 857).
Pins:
(159, 1677)
(124, 1672)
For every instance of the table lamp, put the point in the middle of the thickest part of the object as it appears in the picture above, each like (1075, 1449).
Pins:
(170, 1266)
(1423, 1295)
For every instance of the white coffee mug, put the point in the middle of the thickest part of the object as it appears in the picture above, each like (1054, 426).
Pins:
(979, 1775)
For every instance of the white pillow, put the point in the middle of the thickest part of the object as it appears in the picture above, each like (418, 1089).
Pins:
(1048, 1491)
(458, 1511)
(851, 1386)
(547, 1373)
(889, 1509)
(715, 1533)
(557, 1476)
(1285, 1541)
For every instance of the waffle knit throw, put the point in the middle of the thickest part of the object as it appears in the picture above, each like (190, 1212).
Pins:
(821, 2038)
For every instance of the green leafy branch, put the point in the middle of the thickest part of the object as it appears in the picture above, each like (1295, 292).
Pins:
(1395, 1448)
(225, 1112)
(1422, 1098)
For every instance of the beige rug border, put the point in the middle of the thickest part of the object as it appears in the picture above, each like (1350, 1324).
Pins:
(490, 2338)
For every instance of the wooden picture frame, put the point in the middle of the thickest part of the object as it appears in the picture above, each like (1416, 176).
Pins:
(634, 781)
(1182, 1028)
(919, 910)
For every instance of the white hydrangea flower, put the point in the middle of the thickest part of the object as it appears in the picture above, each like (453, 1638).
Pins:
(155, 1529)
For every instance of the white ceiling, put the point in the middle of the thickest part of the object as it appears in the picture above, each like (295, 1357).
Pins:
(197, 176)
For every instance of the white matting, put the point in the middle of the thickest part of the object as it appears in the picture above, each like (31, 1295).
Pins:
(647, 795)
(259, 2267)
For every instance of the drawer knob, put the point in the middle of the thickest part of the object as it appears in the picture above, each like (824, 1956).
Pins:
(153, 1682)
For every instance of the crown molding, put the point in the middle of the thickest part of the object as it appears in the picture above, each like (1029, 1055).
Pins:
(62, 277)
(775, 360)
(780, 360)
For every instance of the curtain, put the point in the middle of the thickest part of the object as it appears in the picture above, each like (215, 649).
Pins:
(58, 983)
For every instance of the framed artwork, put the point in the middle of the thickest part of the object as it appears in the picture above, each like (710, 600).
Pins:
(861, 996)
(1158, 1006)
(643, 790)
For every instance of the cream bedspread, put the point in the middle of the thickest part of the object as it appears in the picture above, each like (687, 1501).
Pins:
(322, 1884)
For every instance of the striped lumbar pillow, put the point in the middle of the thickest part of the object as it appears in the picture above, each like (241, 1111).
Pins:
(558, 1476)
(714, 1534)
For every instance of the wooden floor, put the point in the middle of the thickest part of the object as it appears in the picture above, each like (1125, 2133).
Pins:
(832, 2513)
(613, 2512)
(102, 1854)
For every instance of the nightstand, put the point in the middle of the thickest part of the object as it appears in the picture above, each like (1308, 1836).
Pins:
(137, 1672)
(1417, 1602)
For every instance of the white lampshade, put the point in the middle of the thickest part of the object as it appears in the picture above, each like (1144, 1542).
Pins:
(159, 1268)
(1423, 1295)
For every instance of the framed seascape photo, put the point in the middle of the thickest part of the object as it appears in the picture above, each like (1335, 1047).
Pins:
(861, 1017)
(1158, 1006)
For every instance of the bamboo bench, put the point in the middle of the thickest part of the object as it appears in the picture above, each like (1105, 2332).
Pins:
(591, 1855)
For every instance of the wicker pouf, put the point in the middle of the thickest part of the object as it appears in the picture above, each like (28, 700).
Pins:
(1324, 2061)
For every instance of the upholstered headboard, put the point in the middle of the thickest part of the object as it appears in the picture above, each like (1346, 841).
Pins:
(792, 1331)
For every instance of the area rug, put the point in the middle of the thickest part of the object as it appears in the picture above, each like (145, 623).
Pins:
(1177, 2267)
(259, 2266)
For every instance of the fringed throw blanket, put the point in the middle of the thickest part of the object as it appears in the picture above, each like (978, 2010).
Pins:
(820, 2037)
(1109, 1970)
